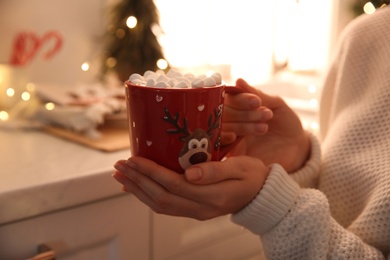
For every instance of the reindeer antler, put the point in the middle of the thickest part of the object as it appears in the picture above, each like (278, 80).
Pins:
(174, 121)
(215, 124)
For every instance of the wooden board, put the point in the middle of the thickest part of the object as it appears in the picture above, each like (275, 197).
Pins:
(112, 138)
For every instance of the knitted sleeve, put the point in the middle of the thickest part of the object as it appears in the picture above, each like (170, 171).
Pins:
(280, 192)
(295, 223)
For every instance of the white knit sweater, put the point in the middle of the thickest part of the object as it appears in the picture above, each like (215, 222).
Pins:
(338, 205)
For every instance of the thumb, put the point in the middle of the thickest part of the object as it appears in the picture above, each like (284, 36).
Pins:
(207, 173)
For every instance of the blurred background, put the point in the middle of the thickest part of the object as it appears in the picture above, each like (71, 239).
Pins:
(50, 49)
(64, 44)
(62, 68)
(248, 39)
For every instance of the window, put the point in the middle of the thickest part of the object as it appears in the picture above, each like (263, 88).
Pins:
(246, 38)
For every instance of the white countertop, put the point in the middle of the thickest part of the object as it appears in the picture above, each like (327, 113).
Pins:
(41, 173)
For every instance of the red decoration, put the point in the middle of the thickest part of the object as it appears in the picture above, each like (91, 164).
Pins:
(27, 44)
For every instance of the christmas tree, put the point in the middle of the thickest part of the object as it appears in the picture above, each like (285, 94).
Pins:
(131, 42)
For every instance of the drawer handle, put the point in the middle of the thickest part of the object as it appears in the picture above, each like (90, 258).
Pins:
(44, 253)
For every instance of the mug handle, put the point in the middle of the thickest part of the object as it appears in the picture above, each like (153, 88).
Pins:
(227, 148)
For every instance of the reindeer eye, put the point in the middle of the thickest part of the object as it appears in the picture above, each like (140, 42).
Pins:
(204, 143)
(193, 144)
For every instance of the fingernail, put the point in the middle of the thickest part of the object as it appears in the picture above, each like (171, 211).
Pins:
(117, 176)
(119, 165)
(266, 114)
(254, 102)
(130, 163)
(193, 173)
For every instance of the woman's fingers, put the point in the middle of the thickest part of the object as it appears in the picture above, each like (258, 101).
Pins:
(231, 184)
(236, 115)
(137, 179)
(228, 137)
(221, 187)
(234, 168)
(243, 101)
(242, 129)
(246, 122)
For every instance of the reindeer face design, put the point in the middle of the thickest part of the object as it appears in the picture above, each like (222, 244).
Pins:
(197, 147)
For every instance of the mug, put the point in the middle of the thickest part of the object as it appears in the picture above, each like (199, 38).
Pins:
(176, 127)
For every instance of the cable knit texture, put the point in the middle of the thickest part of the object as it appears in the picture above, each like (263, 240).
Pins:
(346, 212)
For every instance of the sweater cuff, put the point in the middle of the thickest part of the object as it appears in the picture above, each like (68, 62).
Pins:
(307, 176)
(275, 199)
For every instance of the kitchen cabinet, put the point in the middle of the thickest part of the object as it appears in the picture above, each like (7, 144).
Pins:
(59, 193)
(114, 228)
(177, 238)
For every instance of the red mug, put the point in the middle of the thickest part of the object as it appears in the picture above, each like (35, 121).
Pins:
(175, 127)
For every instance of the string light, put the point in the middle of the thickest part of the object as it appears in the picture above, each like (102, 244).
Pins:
(85, 66)
(131, 22)
(162, 64)
(50, 106)
(314, 126)
(25, 96)
(4, 116)
(312, 89)
(369, 8)
(30, 87)
(111, 62)
(313, 102)
(10, 92)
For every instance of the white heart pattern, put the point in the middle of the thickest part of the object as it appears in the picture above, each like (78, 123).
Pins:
(200, 107)
(149, 143)
(159, 98)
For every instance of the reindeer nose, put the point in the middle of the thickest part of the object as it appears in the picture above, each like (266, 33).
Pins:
(198, 158)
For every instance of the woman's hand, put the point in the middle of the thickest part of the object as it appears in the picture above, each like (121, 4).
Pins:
(243, 115)
(205, 191)
(279, 139)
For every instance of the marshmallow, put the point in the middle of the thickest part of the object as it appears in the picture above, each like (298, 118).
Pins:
(189, 76)
(151, 83)
(209, 82)
(198, 83)
(135, 76)
(185, 80)
(174, 79)
(151, 76)
(172, 82)
(138, 82)
(161, 84)
(162, 78)
(174, 74)
(148, 73)
(217, 77)
(181, 84)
